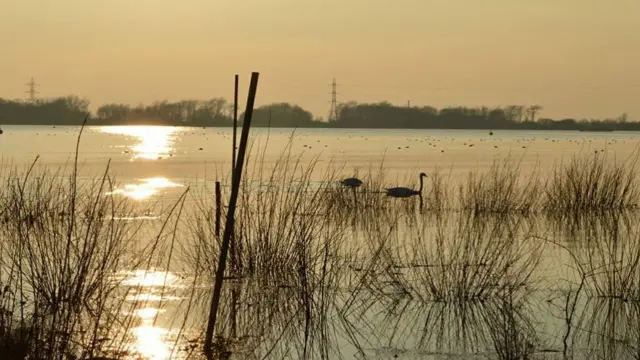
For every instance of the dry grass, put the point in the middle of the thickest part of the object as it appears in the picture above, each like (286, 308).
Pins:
(608, 329)
(323, 244)
(500, 190)
(593, 183)
(63, 241)
(612, 262)
(458, 258)
(283, 251)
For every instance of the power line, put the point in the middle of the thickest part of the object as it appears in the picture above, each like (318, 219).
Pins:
(32, 90)
(333, 111)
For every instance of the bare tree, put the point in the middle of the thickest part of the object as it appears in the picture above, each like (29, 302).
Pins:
(532, 112)
(514, 112)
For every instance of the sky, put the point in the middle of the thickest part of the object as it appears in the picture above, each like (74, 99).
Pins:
(576, 58)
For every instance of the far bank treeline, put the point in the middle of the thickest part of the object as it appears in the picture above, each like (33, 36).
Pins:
(71, 110)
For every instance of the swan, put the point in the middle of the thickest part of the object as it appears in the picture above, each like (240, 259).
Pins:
(403, 192)
(351, 182)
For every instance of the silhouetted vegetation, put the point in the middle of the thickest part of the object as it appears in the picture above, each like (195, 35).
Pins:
(68, 110)
(282, 115)
(314, 268)
(218, 112)
(213, 112)
(386, 115)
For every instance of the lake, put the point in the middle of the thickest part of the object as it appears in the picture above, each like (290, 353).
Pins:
(519, 264)
(184, 155)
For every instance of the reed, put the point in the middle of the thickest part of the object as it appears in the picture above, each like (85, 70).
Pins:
(467, 258)
(500, 190)
(283, 243)
(592, 183)
(59, 245)
(499, 328)
(608, 330)
(512, 332)
(64, 243)
(612, 261)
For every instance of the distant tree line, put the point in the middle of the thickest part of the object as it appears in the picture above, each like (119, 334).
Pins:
(386, 115)
(63, 111)
(213, 112)
(71, 110)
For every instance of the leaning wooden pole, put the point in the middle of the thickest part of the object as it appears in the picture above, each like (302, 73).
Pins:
(229, 224)
(234, 250)
(235, 128)
(218, 209)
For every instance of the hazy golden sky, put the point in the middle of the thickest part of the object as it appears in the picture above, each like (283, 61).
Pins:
(575, 57)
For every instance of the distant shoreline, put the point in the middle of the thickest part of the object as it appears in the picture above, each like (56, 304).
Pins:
(218, 113)
(326, 127)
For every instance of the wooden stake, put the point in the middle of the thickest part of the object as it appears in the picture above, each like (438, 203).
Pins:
(218, 209)
(235, 128)
(229, 224)
(234, 250)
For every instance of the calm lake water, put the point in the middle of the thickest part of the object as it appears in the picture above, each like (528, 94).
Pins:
(148, 157)
(393, 320)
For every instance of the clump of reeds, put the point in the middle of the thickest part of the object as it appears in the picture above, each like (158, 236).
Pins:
(592, 183)
(438, 195)
(610, 260)
(444, 259)
(500, 190)
(391, 326)
(59, 248)
(468, 258)
(15, 339)
(578, 227)
(280, 218)
(63, 239)
(608, 329)
(514, 337)
(284, 241)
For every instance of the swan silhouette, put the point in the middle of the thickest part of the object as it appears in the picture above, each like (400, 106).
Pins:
(404, 192)
(351, 182)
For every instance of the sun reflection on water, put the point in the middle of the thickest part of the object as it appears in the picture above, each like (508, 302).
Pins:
(151, 341)
(148, 313)
(154, 142)
(147, 188)
(150, 278)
